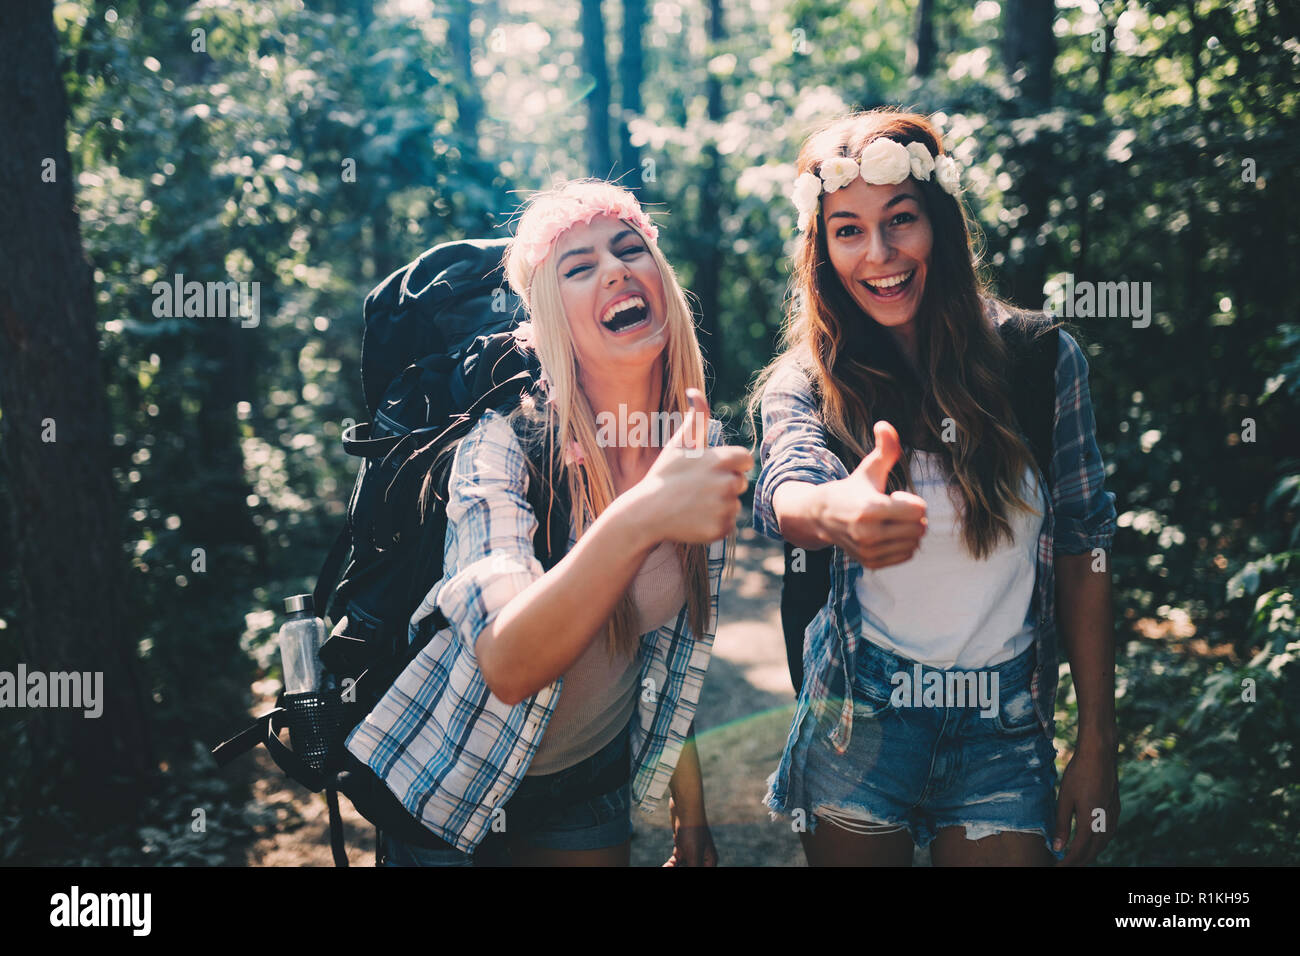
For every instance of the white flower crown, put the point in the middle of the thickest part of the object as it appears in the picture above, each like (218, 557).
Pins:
(883, 162)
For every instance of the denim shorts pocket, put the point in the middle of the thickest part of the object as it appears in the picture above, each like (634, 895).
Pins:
(872, 687)
(611, 806)
(1016, 716)
(397, 853)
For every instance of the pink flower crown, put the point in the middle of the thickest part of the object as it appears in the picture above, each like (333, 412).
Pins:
(536, 238)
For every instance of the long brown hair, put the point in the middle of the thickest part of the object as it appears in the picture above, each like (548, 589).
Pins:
(861, 373)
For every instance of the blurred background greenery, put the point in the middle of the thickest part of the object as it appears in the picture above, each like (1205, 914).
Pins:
(1147, 140)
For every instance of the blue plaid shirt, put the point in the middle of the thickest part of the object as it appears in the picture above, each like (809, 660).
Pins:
(1080, 517)
(446, 746)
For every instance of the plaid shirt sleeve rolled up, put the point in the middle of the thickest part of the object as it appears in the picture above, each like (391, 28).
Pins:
(449, 749)
(794, 443)
(1084, 512)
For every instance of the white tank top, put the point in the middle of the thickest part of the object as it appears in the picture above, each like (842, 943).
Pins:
(943, 607)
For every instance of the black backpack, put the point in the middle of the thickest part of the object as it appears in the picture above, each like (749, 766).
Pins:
(1032, 343)
(437, 352)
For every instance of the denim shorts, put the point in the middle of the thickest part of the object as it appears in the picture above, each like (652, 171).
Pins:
(971, 754)
(539, 813)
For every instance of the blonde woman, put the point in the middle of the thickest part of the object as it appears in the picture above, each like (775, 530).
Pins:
(552, 701)
(889, 435)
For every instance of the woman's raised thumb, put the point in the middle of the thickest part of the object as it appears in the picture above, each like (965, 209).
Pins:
(694, 431)
(878, 464)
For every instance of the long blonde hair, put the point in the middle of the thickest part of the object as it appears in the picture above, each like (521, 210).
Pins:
(567, 414)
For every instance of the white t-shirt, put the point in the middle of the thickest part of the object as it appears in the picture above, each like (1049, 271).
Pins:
(943, 607)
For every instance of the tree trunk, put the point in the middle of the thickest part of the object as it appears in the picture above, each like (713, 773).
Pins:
(631, 73)
(599, 160)
(469, 105)
(924, 48)
(1029, 53)
(1028, 43)
(708, 275)
(65, 513)
(1107, 55)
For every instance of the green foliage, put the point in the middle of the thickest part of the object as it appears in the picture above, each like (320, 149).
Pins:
(1210, 775)
(230, 164)
(223, 165)
(192, 816)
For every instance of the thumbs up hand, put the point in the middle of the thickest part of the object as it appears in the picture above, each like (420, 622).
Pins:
(693, 434)
(692, 492)
(875, 528)
(876, 466)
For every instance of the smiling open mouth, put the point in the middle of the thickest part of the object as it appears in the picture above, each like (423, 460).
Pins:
(626, 315)
(890, 287)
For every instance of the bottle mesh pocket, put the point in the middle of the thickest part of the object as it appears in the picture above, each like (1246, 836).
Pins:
(316, 723)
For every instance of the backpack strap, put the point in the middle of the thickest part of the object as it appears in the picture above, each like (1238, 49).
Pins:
(806, 579)
(336, 827)
(548, 493)
(805, 585)
(1032, 342)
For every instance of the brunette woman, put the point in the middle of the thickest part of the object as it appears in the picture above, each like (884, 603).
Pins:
(926, 713)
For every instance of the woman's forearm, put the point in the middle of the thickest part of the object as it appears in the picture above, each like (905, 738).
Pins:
(687, 783)
(546, 627)
(798, 509)
(1086, 623)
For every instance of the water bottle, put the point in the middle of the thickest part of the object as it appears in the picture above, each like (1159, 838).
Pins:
(301, 637)
(315, 712)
